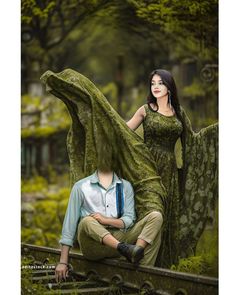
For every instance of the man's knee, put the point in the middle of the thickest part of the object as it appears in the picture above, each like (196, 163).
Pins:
(155, 216)
(86, 222)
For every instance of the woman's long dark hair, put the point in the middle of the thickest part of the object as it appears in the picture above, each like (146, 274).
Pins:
(169, 82)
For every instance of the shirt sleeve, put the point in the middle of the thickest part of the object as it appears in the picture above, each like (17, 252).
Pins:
(129, 216)
(71, 217)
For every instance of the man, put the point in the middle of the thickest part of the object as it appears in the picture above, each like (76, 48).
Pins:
(101, 209)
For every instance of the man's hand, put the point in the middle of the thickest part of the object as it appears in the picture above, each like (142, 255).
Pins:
(100, 218)
(114, 222)
(61, 272)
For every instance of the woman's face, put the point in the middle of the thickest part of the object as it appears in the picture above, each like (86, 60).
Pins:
(157, 87)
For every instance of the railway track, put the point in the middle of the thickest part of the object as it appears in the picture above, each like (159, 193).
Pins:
(108, 276)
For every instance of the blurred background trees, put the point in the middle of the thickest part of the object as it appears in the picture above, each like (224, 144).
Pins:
(116, 44)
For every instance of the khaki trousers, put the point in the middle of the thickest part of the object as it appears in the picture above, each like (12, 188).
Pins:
(91, 233)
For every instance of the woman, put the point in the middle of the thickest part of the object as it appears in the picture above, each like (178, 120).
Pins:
(162, 125)
(150, 165)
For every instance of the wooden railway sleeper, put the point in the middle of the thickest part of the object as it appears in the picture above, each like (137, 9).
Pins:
(90, 291)
(117, 280)
(147, 288)
(181, 291)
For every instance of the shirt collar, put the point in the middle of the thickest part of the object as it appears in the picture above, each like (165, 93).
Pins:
(116, 179)
(95, 179)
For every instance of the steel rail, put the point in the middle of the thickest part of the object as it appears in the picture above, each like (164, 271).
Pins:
(155, 280)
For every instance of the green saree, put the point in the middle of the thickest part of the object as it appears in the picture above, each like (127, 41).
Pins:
(95, 124)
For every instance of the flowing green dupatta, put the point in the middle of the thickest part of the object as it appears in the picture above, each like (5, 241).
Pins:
(95, 123)
(199, 183)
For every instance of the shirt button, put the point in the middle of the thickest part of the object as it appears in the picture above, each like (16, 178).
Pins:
(107, 205)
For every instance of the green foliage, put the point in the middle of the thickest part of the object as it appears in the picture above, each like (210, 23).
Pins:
(194, 264)
(32, 236)
(42, 219)
(148, 34)
(34, 184)
(48, 19)
(194, 90)
(110, 91)
(45, 217)
(206, 260)
(27, 285)
(43, 131)
(59, 195)
(54, 113)
(47, 221)
(30, 103)
(31, 10)
(185, 18)
(52, 175)
(199, 121)
(208, 246)
(211, 254)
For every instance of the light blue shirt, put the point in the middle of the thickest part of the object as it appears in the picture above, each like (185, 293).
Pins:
(89, 196)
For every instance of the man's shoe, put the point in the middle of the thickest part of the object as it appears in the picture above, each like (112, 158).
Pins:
(133, 253)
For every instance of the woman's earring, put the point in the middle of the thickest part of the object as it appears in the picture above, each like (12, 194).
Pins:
(169, 98)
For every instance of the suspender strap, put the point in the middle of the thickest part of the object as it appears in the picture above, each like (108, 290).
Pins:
(119, 199)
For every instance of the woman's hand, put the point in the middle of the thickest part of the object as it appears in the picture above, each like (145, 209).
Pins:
(61, 272)
(100, 218)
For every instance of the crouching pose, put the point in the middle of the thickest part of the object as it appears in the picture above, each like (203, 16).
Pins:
(101, 211)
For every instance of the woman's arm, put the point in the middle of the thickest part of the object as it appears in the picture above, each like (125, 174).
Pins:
(137, 118)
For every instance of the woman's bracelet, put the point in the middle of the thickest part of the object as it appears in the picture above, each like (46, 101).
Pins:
(63, 263)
